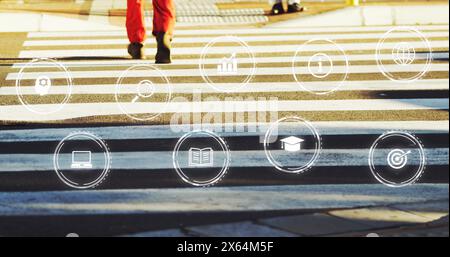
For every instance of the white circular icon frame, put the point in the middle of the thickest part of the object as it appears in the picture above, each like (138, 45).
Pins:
(317, 149)
(56, 64)
(161, 76)
(339, 83)
(421, 166)
(106, 168)
(223, 170)
(227, 39)
(389, 74)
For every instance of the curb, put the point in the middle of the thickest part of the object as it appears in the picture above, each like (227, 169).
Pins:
(329, 223)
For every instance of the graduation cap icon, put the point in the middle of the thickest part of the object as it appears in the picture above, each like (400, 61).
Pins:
(292, 144)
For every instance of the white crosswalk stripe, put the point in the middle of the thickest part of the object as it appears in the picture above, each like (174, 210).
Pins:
(176, 131)
(267, 38)
(337, 69)
(220, 50)
(132, 161)
(244, 60)
(18, 112)
(186, 88)
(235, 31)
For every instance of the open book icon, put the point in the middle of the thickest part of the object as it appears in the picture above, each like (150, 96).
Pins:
(201, 157)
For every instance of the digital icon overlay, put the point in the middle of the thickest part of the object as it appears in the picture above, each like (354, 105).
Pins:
(143, 92)
(397, 159)
(403, 54)
(404, 61)
(236, 62)
(47, 91)
(145, 89)
(42, 85)
(82, 160)
(320, 65)
(292, 145)
(321, 61)
(201, 158)
(228, 66)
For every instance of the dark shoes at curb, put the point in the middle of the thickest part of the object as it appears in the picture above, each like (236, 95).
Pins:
(163, 40)
(292, 8)
(277, 9)
(136, 50)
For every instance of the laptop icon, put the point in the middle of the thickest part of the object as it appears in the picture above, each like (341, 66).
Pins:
(81, 160)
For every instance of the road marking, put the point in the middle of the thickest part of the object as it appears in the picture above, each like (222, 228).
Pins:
(236, 31)
(154, 161)
(189, 88)
(326, 128)
(337, 69)
(78, 110)
(195, 61)
(221, 50)
(261, 38)
(251, 198)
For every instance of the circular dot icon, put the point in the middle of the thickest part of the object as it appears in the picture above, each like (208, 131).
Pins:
(320, 66)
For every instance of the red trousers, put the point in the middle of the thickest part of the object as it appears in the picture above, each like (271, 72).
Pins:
(163, 19)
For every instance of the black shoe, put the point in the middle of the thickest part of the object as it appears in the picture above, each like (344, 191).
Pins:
(164, 42)
(295, 8)
(136, 50)
(277, 9)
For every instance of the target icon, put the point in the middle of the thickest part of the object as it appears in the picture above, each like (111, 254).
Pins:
(397, 159)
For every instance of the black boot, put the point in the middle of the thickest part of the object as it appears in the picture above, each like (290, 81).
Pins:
(136, 50)
(295, 8)
(277, 9)
(164, 42)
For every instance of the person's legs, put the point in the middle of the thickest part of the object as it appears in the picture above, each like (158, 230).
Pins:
(163, 25)
(164, 17)
(136, 28)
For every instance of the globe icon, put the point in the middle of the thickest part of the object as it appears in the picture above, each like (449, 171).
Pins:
(403, 54)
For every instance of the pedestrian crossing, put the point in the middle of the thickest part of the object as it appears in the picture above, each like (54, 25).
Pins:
(367, 105)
